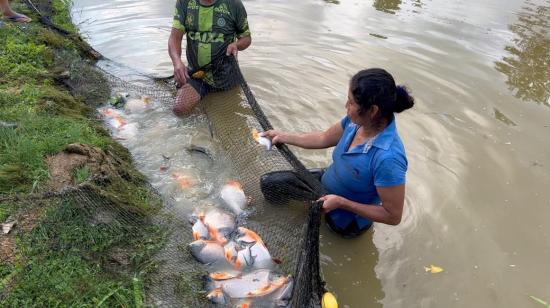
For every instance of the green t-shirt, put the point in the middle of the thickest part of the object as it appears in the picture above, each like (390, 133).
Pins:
(209, 30)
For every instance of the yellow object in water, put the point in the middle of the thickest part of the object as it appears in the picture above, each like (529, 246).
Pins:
(198, 75)
(329, 301)
(433, 269)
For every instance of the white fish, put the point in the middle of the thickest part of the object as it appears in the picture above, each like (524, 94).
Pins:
(248, 256)
(200, 230)
(233, 195)
(266, 142)
(247, 235)
(128, 131)
(282, 296)
(223, 222)
(109, 112)
(269, 288)
(137, 105)
(207, 252)
(217, 296)
(116, 121)
(240, 287)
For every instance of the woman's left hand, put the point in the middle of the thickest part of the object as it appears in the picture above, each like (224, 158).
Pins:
(331, 202)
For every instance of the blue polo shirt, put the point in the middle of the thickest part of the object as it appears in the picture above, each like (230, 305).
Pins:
(355, 173)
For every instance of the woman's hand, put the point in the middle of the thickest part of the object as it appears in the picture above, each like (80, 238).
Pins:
(331, 202)
(277, 137)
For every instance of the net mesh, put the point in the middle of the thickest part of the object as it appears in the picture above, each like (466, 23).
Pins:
(147, 248)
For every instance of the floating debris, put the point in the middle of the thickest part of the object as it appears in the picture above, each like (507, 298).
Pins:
(433, 269)
(329, 301)
(540, 301)
(7, 226)
(8, 124)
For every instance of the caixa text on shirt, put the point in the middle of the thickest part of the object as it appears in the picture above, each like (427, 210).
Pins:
(206, 37)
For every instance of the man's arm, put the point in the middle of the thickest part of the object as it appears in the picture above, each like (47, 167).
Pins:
(174, 50)
(240, 44)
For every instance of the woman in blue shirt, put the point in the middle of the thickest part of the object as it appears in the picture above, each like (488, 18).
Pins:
(366, 180)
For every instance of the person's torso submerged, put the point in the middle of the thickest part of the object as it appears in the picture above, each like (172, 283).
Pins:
(355, 173)
(209, 31)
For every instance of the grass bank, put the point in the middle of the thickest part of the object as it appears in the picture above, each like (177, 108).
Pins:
(63, 251)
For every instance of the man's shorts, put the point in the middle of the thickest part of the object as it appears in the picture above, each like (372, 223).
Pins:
(200, 86)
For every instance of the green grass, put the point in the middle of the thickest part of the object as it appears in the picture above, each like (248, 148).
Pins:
(68, 258)
(80, 175)
(22, 165)
(48, 117)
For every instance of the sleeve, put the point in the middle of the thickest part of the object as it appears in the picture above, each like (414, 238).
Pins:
(390, 172)
(242, 21)
(179, 15)
(345, 122)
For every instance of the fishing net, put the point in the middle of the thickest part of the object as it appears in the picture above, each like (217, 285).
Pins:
(145, 249)
(288, 223)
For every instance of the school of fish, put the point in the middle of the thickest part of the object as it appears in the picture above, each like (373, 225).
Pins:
(242, 271)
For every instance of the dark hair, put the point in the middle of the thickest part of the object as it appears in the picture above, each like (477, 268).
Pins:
(376, 86)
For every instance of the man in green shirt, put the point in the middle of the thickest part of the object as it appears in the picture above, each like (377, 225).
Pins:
(214, 29)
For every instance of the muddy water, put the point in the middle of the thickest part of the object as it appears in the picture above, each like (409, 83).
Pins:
(477, 141)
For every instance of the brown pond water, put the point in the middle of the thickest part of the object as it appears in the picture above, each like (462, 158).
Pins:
(478, 139)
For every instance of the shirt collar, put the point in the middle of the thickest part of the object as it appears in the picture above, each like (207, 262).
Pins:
(385, 138)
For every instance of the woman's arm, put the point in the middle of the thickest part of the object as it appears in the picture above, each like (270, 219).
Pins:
(314, 140)
(389, 212)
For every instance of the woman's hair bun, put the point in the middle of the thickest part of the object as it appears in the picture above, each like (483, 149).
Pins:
(404, 100)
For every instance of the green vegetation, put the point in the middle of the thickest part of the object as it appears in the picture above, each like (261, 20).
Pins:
(47, 116)
(73, 260)
(81, 174)
(92, 248)
(540, 301)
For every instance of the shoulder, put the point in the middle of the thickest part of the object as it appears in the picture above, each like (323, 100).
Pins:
(346, 122)
(184, 4)
(235, 5)
(395, 154)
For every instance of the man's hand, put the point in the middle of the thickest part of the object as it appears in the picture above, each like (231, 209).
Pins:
(331, 202)
(232, 49)
(180, 73)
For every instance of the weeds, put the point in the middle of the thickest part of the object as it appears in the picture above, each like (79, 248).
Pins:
(81, 174)
(71, 257)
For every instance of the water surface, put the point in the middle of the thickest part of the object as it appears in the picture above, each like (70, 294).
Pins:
(477, 200)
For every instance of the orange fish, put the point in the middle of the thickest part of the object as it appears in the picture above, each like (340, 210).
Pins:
(261, 139)
(215, 235)
(146, 99)
(248, 235)
(268, 289)
(107, 112)
(223, 275)
(235, 184)
(216, 296)
(117, 121)
(244, 304)
(183, 181)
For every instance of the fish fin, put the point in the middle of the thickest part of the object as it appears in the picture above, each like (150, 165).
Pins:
(277, 260)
